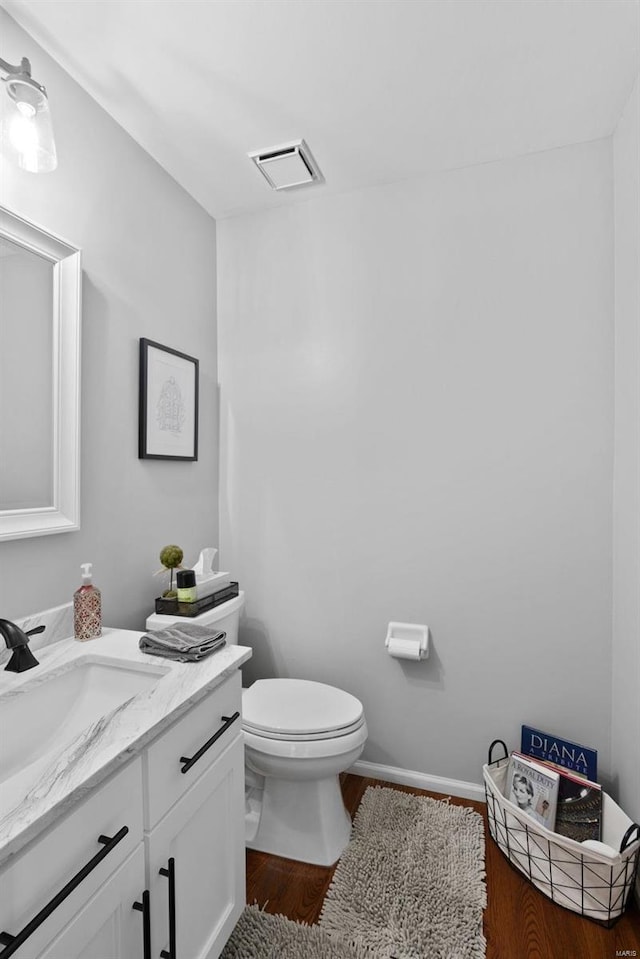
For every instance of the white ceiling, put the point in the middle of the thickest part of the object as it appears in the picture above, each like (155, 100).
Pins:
(381, 90)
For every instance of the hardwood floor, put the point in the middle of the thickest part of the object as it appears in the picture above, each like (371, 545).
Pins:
(519, 922)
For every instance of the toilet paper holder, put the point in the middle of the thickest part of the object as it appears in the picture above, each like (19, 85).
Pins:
(407, 640)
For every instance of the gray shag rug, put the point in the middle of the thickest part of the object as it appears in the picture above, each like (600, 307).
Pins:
(410, 885)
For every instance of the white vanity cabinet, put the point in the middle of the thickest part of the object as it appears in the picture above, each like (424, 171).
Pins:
(172, 884)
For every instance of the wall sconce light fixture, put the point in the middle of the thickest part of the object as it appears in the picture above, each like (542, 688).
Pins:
(27, 133)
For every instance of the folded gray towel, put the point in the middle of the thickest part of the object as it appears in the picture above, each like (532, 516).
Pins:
(183, 642)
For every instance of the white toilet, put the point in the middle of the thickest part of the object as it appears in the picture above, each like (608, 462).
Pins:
(299, 736)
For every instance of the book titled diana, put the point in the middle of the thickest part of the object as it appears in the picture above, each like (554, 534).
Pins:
(561, 752)
(533, 788)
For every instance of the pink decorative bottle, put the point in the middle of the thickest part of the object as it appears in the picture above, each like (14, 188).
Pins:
(87, 608)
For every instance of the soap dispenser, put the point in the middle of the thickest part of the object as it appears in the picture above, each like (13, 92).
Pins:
(87, 607)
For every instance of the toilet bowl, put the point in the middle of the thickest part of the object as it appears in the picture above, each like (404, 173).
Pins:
(299, 736)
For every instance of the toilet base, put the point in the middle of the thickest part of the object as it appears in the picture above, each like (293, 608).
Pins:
(303, 820)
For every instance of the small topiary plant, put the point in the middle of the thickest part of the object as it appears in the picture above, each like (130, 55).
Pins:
(171, 558)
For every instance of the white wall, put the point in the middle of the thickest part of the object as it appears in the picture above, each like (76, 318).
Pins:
(149, 270)
(416, 424)
(626, 502)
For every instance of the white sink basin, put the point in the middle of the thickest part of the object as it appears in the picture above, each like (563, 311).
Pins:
(43, 715)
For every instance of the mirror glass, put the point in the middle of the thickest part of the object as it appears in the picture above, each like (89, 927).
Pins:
(39, 380)
(26, 403)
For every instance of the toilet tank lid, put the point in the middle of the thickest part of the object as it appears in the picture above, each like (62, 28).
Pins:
(299, 707)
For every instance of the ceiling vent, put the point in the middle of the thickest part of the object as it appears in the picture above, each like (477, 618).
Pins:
(288, 166)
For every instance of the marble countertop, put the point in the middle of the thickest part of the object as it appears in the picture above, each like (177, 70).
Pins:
(37, 794)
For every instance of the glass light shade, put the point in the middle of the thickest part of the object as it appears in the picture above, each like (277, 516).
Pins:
(27, 131)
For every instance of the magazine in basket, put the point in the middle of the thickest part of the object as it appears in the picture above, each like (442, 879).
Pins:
(579, 812)
(533, 788)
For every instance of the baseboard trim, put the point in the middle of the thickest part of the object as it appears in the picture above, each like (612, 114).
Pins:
(409, 777)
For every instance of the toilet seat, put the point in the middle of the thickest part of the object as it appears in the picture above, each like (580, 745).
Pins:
(312, 749)
(298, 710)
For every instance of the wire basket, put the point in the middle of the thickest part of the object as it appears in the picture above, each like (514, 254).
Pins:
(594, 882)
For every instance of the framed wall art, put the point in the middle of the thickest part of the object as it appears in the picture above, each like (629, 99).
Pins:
(168, 406)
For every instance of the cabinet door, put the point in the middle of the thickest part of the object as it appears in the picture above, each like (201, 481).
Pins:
(203, 835)
(108, 927)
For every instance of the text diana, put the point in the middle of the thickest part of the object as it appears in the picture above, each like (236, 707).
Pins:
(558, 754)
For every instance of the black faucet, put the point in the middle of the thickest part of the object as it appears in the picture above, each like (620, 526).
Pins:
(18, 642)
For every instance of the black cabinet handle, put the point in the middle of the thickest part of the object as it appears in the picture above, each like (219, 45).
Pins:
(13, 943)
(144, 908)
(189, 761)
(170, 873)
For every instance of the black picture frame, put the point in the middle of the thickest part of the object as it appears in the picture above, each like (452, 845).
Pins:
(168, 403)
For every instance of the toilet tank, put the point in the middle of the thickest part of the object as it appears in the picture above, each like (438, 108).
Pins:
(226, 616)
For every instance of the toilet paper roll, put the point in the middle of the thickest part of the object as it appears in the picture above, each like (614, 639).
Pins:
(404, 648)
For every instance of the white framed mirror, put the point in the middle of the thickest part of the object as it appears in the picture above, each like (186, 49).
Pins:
(40, 320)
